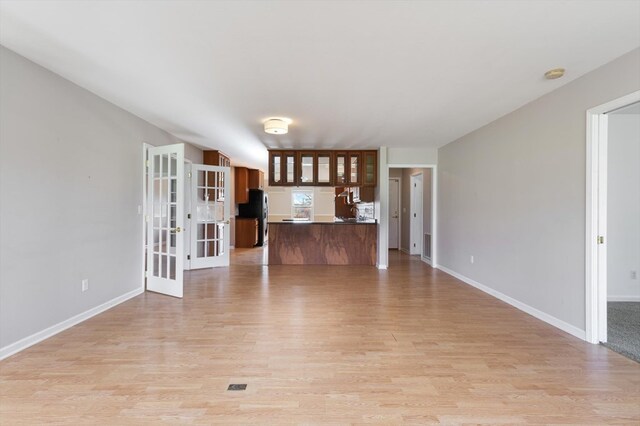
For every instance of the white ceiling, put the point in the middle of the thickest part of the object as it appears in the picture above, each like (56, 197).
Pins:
(351, 74)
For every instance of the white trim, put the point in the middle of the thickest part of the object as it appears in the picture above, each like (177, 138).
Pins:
(404, 250)
(145, 148)
(381, 266)
(426, 260)
(399, 179)
(623, 298)
(434, 216)
(595, 285)
(28, 341)
(549, 319)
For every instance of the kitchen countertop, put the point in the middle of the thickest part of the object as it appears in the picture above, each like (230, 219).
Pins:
(308, 222)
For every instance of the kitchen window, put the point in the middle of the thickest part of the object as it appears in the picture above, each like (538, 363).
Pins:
(302, 204)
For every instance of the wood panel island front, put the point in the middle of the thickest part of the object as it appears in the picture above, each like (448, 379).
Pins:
(323, 243)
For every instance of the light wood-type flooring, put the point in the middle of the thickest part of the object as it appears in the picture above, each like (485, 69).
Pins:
(318, 345)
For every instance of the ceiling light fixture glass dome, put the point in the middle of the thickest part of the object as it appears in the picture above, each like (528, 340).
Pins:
(277, 125)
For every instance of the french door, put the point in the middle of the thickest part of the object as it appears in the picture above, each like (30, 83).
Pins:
(165, 207)
(211, 211)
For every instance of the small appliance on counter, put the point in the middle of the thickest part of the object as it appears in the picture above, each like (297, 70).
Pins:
(257, 207)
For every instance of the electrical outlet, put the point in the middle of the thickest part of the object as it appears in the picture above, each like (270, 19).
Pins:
(472, 260)
(634, 275)
(85, 284)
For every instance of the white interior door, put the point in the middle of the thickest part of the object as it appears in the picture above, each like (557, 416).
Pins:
(211, 213)
(394, 213)
(165, 204)
(416, 215)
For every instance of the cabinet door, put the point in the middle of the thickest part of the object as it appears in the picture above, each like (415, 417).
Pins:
(289, 171)
(307, 167)
(370, 168)
(324, 168)
(275, 168)
(354, 166)
(341, 169)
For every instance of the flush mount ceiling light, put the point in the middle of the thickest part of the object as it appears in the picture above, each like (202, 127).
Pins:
(277, 125)
(554, 73)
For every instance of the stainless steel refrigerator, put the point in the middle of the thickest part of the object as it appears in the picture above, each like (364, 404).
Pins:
(257, 207)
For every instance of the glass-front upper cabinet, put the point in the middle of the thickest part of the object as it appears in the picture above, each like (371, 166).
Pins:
(307, 164)
(370, 168)
(289, 172)
(275, 168)
(354, 168)
(324, 168)
(341, 168)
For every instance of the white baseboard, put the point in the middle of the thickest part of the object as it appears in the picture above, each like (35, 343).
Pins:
(404, 250)
(381, 266)
(28, 341)
(623, 298)
(549, 319)
(426, 260)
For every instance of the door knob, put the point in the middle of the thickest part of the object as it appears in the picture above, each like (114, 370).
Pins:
(178, 229)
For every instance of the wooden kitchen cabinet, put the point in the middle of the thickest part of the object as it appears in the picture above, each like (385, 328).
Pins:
(348, 168)
(215, 158)
(369, 168)
(256, 179)
(246, 232)
(323, 168)
(241, 185)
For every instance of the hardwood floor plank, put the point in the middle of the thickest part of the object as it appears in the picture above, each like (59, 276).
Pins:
(318, 345)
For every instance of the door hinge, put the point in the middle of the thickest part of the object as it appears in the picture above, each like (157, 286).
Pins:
(188, 215)
(188, 257)
(145, 274)
(600, 239)
(189, 175)
(146, 163)
(146, 218)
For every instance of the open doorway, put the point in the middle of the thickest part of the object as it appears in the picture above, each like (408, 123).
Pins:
(411, 192)
(613, 226)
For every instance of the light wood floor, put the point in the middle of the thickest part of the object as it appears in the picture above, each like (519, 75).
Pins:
(318, 345)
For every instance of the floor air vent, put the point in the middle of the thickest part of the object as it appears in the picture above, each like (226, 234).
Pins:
(237, 387)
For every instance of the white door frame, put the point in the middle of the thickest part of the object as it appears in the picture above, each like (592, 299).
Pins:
(596, 218)
(399, 179)
(384, 220)
(415, 242)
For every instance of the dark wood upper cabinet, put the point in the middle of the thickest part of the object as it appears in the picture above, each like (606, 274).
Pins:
(215, 158)
(289, 168)
(275, 168)
(307, 164)
(355, 168)
(256, 179)
(241, 185)
(341, 171)
(323, 168)
(370, 168)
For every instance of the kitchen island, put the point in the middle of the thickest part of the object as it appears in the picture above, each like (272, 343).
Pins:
(323, 243)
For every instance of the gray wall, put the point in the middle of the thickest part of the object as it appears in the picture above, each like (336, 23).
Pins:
(70, 187)
(623, 207)
(512, 194)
